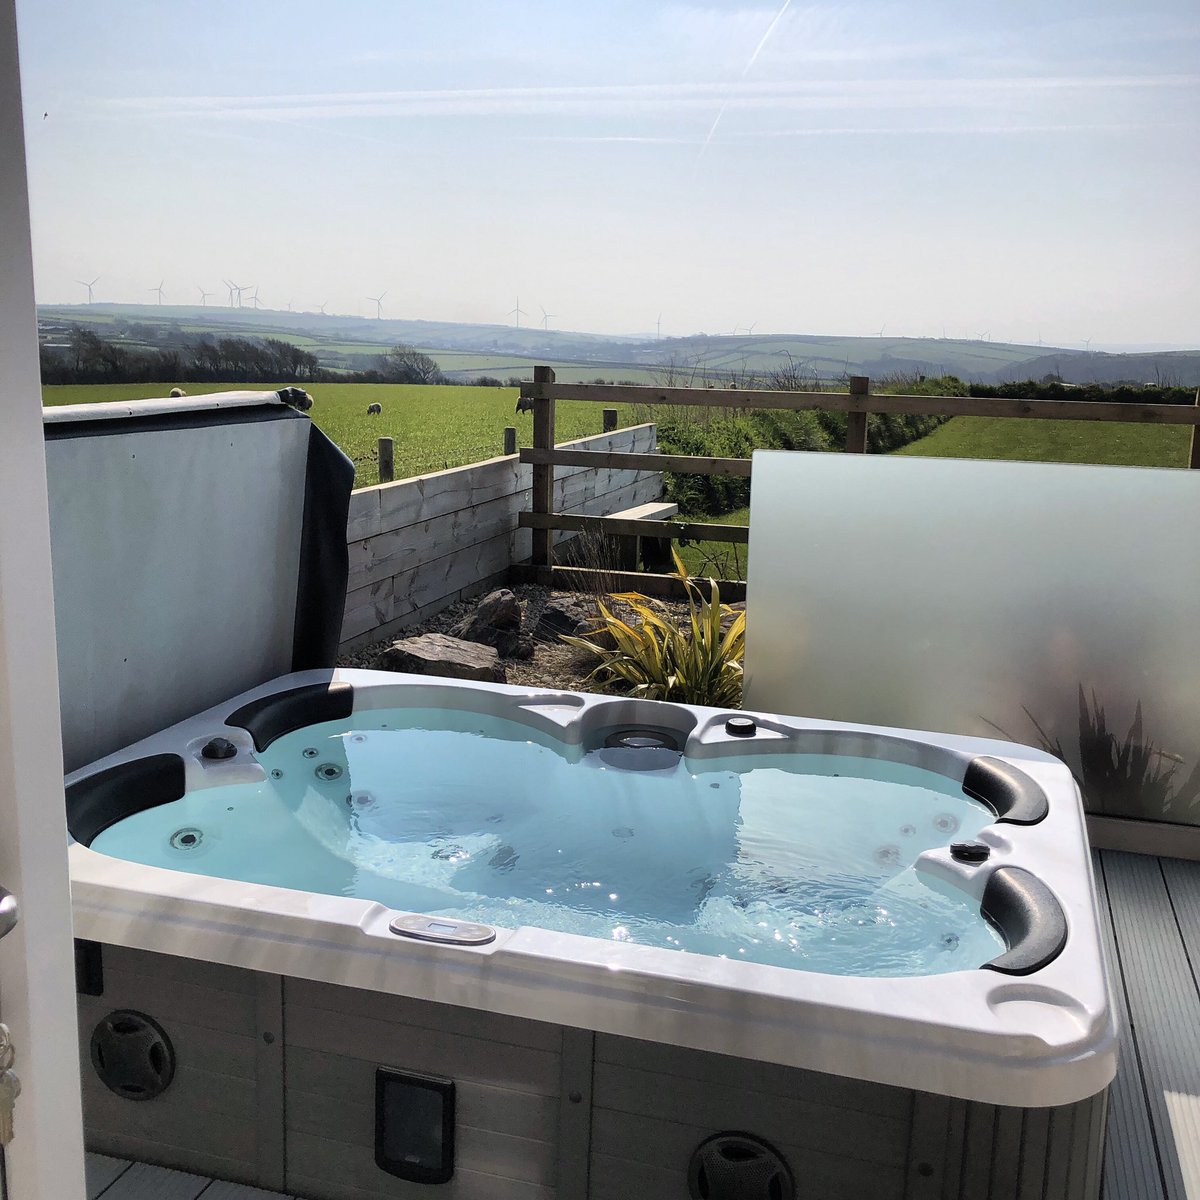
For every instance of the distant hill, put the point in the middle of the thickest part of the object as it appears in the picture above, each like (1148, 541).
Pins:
(465, 351)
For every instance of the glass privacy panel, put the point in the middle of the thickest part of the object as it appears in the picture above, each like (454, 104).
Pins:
(1050, 604)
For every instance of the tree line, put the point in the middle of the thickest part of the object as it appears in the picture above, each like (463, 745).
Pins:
(89, 358)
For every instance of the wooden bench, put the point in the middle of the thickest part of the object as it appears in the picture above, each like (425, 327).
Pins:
(653, 553)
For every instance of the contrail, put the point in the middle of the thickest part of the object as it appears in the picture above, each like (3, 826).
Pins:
(766, 37)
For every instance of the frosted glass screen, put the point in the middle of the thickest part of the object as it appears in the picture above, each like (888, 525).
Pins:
(1049, 604)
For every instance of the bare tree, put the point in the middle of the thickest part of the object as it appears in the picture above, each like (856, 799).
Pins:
(406, 364)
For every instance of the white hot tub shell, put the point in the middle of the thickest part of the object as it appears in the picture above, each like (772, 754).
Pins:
(1036, 1045)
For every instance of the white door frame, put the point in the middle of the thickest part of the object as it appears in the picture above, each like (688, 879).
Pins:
(37, 984)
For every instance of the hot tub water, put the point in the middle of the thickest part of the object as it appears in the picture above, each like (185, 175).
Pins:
(799, 860)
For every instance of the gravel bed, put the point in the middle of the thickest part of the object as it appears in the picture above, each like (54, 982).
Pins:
(553, 665)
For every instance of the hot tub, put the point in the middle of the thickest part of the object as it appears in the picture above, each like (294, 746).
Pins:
(621, 928)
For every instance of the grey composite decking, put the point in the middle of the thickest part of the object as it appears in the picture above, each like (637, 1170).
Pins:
(1151, 910)
(119, 1179)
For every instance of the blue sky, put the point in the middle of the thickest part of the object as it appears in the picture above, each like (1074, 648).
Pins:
(1021, 169)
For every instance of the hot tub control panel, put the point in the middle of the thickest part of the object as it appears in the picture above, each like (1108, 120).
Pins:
(442, 929)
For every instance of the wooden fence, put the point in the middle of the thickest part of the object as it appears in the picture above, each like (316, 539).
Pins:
(543, 518)
(419, 544)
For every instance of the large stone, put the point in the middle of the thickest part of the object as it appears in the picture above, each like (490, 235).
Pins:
(440, 654)
(563, 615)
(497, 610)
(496, 622)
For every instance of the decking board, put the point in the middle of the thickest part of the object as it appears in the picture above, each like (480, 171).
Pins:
(1131, 1169)
(1155, 910)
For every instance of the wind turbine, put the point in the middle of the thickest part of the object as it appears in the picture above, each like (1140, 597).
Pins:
(232, 288)
(1087, 345)
(254, 297)
(204, 296)
(881, 329)
(545, 317)
(158, 289)
(239, 288)
(321, 308)
(750, 329)
(658, 327)
(89, 286)
(378, 302)
(518, 312)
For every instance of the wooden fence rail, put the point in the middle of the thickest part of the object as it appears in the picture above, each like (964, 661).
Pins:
(858, 404)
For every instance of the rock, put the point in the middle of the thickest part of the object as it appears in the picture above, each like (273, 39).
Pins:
(497, 610)
(439, 654)
(565, 616)
(512, 643)
(496, 622)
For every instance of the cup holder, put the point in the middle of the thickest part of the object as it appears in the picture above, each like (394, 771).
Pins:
(637, 748)
(642, 739)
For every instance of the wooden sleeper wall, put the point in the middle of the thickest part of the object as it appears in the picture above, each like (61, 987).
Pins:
(420, 544)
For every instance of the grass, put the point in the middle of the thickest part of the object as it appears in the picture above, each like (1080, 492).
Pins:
(1116, 444)
(1028, 440)
(433, 427)
(721, 560)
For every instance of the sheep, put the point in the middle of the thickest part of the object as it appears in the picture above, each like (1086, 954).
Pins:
(525, 404)
(374, 410)
(177, 393)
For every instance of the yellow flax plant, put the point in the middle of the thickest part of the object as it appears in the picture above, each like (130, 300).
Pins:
(654, 656)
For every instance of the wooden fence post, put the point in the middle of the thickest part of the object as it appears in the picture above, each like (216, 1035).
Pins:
(510, 439)
(542, 500)
(387, 460)
(1194, 452)
(856, 422)
(610, 420)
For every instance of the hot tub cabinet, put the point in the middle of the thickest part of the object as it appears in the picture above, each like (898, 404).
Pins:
(330, 1046)
(275, 1085)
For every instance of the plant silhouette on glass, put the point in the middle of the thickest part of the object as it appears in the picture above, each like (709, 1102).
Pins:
(1129, 777)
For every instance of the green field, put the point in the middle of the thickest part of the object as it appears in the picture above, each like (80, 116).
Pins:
(469, 365)
(438, 427)
(1119, 444)
(1116, 444)
(433, 427)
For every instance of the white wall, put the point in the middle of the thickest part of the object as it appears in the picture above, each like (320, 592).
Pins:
(37, 985)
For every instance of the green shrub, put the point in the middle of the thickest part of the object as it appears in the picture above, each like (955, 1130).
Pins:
(723, 435)
(656, 658)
